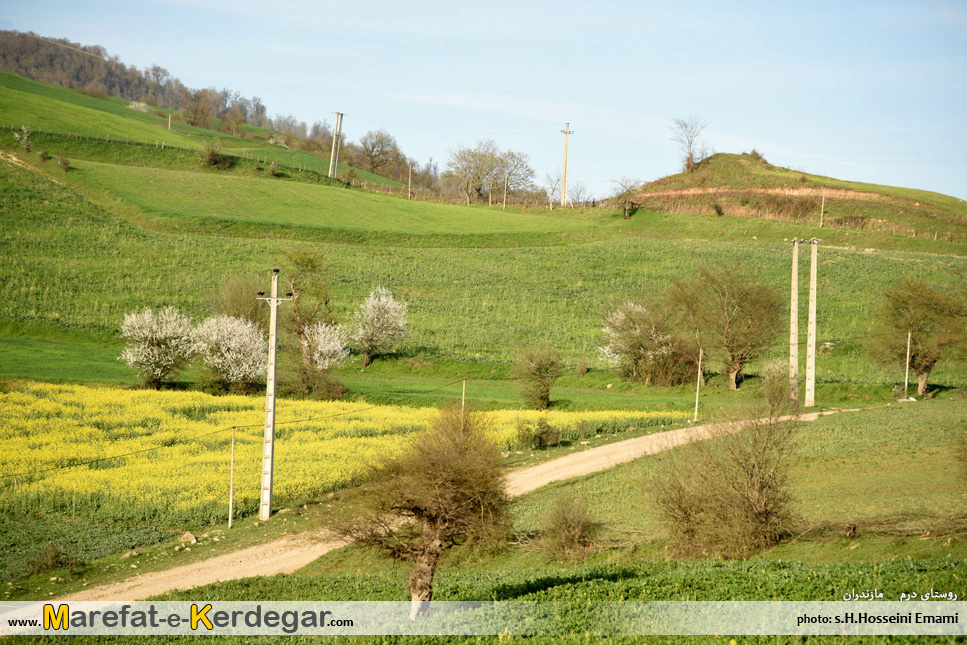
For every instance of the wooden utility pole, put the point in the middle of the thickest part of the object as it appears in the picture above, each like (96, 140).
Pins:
(794, 326)
(567, 131)
(334, 156)
(811, 332)
(268, 447)
(822, 209)
(409, 183)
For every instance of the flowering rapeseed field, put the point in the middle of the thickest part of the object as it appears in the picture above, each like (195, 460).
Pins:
(164, 457)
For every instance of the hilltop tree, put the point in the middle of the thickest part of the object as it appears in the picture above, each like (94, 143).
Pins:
(447, 489)
(686, 133)
(935, 321)
(731, 313)
(515, 172)
(473, 168)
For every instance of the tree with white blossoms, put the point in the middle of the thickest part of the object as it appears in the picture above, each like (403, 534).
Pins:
(234, 350)
(327, 345)
(635, 343)
(158, 344)
(378, 325)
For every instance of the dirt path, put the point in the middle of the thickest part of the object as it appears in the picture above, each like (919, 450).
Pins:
(291, 553)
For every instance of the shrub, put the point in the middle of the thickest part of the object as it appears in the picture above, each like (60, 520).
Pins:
(378, 325)
(23, 136)
(44, 156)
(569, 529)
(727, 494)
(581, 369)
(233, 350)
(51, 557)
(158, 344)
(538, 437)
(64, 163)
(641, 346)
(538, 370)
(211, 155)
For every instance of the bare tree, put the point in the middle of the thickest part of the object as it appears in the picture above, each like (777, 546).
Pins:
(686, 133)
(626, 185)
(552, 187)
(578, 192)
(516, 172)
(473, 168)
(378, 148)
(448, 488)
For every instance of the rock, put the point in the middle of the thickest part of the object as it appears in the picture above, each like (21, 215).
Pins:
(129, 554)
(257, 523)
(331, 496)
(585, 443)
(188, 537)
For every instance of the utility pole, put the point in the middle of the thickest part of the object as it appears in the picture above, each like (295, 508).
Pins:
(811, 332)
(906, 378)
(268, 448)
(567, 131)
(334, 156)
(698, 383)
(794, 327)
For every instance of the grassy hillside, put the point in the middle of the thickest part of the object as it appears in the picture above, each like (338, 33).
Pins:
(748, 186)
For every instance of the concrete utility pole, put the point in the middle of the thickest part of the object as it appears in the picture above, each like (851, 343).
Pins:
(334, 156)
(794, 326)
(567, 131)
(811, 332)
(268, 449)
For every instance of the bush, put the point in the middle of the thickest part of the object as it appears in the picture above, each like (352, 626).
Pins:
(538, 437)
(538, 370)
(233, 350)
(643, 346)
(568, 531)
(158, 344)
(727, 494)
(64, 163)
(211, 155)
(581, 369)
(52, 557)
(23, 136)
(44, 156)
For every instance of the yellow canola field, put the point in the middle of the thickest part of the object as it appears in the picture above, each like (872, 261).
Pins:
(164, 457)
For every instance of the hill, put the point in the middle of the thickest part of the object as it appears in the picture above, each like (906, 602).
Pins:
(748, 186)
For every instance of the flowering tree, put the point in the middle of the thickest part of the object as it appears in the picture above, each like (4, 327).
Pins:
(327, 345)
(635, 343)
(378, 325)
(234, 350)
(158, 344)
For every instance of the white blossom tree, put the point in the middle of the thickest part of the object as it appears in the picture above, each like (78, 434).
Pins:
(234, 350)
(378, 325)
(327, 345)
(635, 343)
(158, 344)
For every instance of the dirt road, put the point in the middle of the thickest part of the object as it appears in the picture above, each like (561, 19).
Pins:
(291, 553)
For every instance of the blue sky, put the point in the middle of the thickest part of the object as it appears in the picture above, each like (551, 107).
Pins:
(864, 91)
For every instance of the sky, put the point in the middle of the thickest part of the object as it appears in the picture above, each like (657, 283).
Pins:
(865, 91)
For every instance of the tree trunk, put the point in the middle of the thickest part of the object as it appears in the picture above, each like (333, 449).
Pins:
(922, 382)
(421, 580)
(734, 377)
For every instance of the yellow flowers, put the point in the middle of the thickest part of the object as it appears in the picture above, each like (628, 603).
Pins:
(164, 456)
